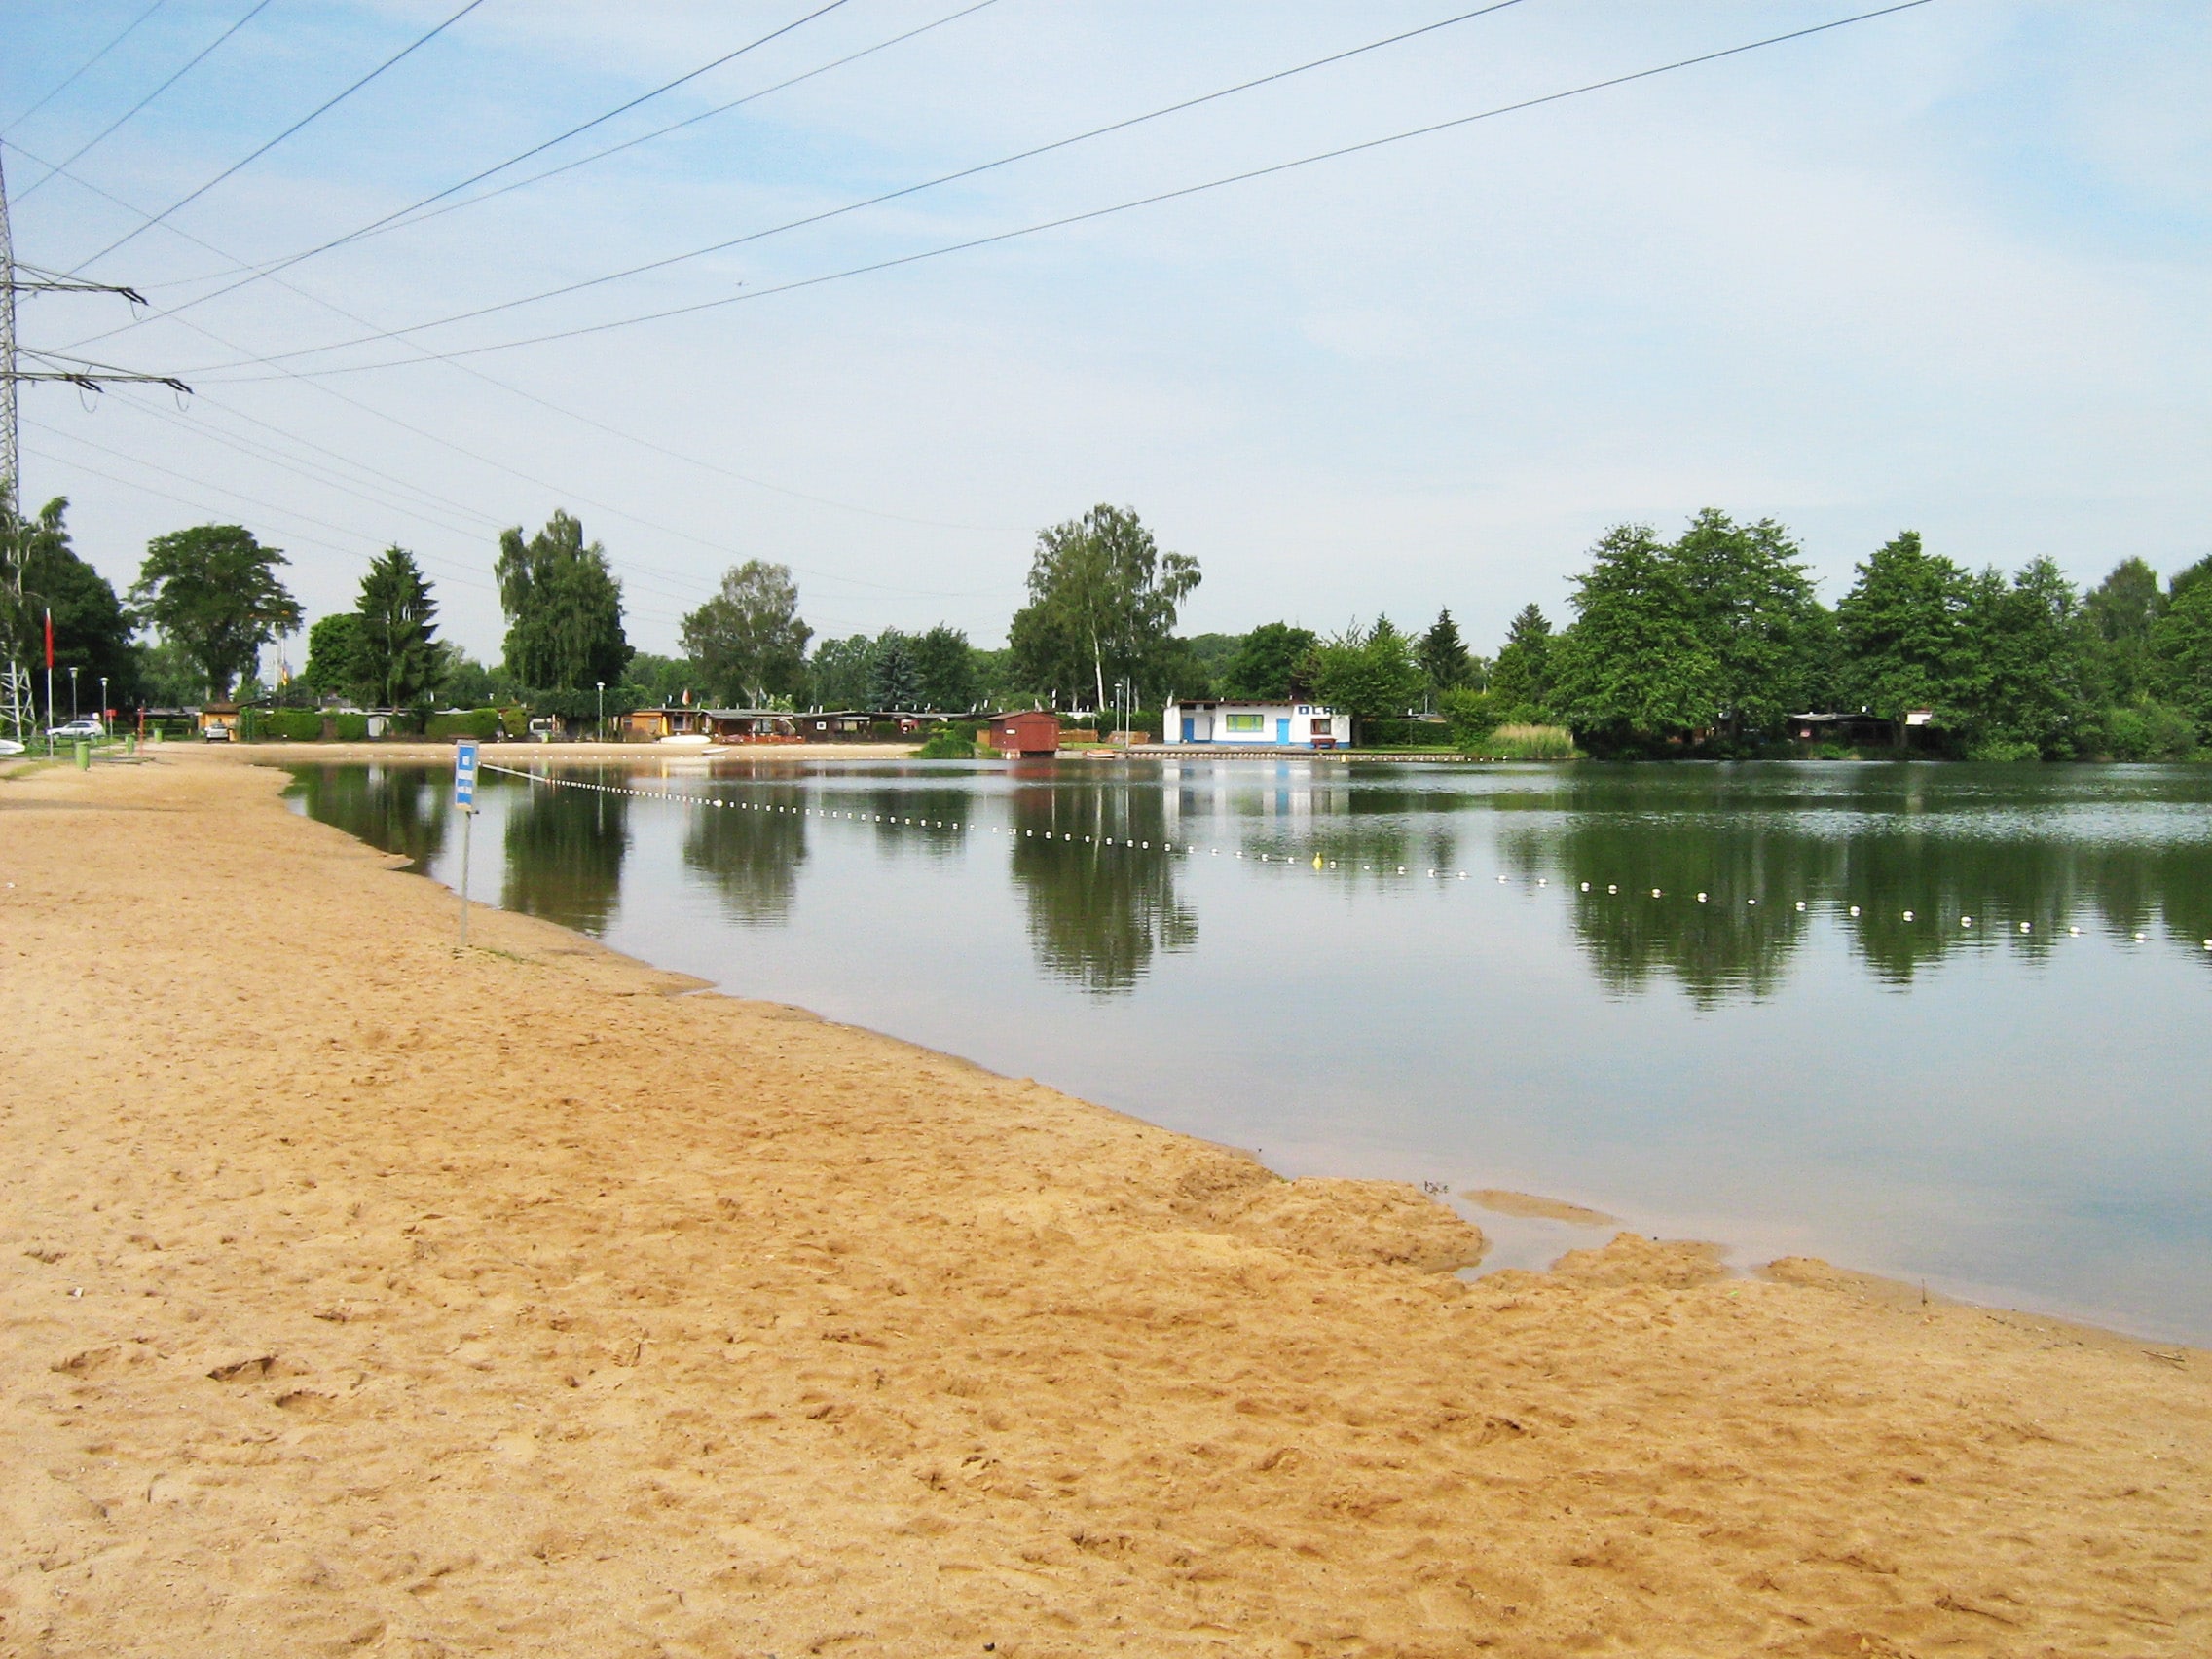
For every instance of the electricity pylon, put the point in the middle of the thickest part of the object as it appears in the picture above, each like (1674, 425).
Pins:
(18, 278)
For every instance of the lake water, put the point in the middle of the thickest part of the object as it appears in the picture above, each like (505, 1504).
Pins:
(2004, 1093)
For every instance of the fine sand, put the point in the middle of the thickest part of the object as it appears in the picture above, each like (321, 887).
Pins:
(363, 1295)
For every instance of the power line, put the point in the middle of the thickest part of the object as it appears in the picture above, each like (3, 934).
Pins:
(260, 5)
(477, 179)
(878, 199)
(430, 354)
(70, 79)
(319, 111)
(1066, 220)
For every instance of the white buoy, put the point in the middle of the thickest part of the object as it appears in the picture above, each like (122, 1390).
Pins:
(1541, 882)
(1908, 915)
(2074, 932)
(1800, 904)
(1655, 893)
(1965, 921)
(1701, 897)
(2023, 927)
(1585, 887)
(1611, 888)
(1854, 910)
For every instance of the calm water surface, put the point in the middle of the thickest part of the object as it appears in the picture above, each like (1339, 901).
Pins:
(2017, 1115)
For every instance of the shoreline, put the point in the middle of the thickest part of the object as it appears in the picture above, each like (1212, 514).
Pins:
(513, 1299)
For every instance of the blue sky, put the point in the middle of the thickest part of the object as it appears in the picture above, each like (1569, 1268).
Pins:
(1945, 268)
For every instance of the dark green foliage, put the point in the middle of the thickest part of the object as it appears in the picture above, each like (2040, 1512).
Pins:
(1469, 715)
(2024, 669)
(1904, 628)
(1368, 674)
(470, 685)
(334, 655)
(947, 743)
(1638, 666)
(480, 724)
(2148, 731)
(396, 660)
(293, 725)
(1753, 608)
(657, 682)
(1102, 607)
(91, 630)
(842, 673)
(748, 640)
(1202, 668)
(1521, 679)
(1274, 663)
(2122, 609)
(944, 668)
(2181, 642)
(349, 729)
(564, 609)
(1406, 731)
(1444, 654)
(895, 681)
(213, 589)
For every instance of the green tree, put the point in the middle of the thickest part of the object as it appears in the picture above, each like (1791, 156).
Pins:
(1637, 666)
(748, 640)
(895, 681)
(1205, 659)
(214, 590)
(1102, 603)
(1521, 679)
(944, 668)
(2027, 648)
(2122, 609)
(564, 609)
(334, 655)
(1754, 610)
(91, 629)
(658, 682)
(843, 672)
(1274, 663)
(1443, 654)
(2181, 642)
(1902, 627)
(1368, 674)
(396, 653)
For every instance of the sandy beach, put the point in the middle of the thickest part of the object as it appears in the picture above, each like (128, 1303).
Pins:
(365, 1295)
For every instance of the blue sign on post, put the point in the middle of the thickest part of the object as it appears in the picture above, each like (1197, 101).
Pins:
(464, 774)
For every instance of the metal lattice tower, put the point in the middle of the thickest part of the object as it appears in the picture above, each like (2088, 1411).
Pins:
(8, 438)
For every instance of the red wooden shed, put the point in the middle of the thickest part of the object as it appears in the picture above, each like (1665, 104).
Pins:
(1033, 731)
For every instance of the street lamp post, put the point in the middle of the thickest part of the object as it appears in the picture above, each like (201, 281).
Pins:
(602, 684)
(103, 706)
(72, 691)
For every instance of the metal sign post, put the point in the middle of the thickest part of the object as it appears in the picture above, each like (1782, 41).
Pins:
(465, 802)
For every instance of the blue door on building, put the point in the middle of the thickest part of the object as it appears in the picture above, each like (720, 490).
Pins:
(1282, 729)
(1189, 729)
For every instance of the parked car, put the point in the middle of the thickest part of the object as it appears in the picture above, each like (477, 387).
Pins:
(71, 730)
(9, 745)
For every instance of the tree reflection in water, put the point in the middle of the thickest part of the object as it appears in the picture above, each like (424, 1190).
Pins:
(564, 849)
(752, 859)
(1097, 913)
(400, 810)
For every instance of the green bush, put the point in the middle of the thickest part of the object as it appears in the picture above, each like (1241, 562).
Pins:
(1389, 733)
(2150, 731)
(2003, 750)
(1471, 714)
(947, 743)
(351, 728)
(293, 725)
(479, 723)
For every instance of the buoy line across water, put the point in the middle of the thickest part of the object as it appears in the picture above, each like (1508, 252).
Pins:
(1319, 862)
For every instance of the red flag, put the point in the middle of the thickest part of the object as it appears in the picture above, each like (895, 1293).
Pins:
(49, 639)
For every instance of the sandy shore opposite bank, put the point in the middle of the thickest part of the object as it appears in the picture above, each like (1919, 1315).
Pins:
(367, 1295)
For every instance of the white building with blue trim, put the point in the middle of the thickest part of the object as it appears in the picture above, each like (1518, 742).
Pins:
(1230, 724)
